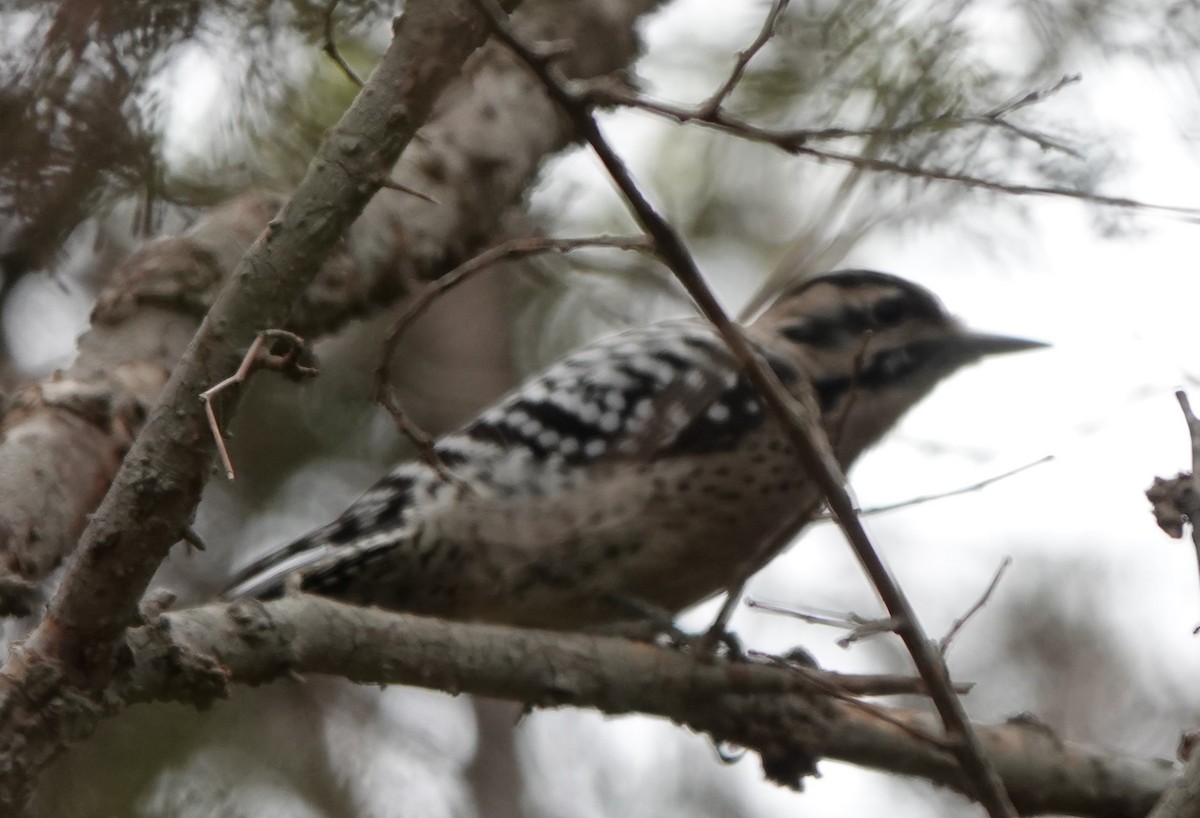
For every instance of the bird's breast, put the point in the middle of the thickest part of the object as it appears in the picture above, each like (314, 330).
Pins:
(608, 541)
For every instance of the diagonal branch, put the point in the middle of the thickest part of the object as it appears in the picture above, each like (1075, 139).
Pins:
(714, 103)
(799, 422)
(52, 676)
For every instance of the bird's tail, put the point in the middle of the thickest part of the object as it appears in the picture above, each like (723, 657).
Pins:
(266, 578)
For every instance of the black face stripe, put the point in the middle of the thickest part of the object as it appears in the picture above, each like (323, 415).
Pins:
(892, 365)
(831, 331)
(830, 390)
(813, 332)
(902, 302)
(889, 312)
(885, 368)
(825, 332)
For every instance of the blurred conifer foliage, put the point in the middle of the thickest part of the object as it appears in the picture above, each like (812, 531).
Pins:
(93, 160)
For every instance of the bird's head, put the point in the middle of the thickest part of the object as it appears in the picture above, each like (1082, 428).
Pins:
(872, 345)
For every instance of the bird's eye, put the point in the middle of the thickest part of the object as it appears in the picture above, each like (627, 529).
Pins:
(889, 313)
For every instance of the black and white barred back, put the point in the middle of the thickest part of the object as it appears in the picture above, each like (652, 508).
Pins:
(640, 470)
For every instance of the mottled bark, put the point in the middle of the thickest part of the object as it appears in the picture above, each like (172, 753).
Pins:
(791, 717)
(51, 681)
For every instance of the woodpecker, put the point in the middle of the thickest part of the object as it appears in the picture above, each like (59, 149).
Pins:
(641, 469)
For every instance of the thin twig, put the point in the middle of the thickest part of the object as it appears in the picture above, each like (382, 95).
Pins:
(997, 115)
(929, 498)
(974, 609)
(256, 357)
(206, 396)
(859, 627)
(330, 47)
(512, 249)
(1043, 141)
(1035, 96)
(606, 92)
(392, 184)
(940, 175)
(827, 683)
(800, 425)
(506, 251)
(797, 143)
(869, 629)
(422, 441)
(386, 394)
(832, 619)
(856, 684)
(714, 103)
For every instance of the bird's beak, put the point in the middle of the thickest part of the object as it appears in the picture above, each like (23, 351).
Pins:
(982, 343)
(962, 348)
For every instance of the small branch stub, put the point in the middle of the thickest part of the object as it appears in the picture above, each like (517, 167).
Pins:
(295, 361)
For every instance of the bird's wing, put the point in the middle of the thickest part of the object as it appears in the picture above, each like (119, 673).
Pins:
(670, 389)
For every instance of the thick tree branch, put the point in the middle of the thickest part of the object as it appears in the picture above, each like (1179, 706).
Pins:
(790, 717)
(68, 658)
